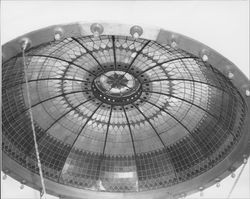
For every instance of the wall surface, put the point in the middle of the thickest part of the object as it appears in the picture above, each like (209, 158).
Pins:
(222, 25)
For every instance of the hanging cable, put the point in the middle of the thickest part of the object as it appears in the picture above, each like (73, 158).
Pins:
(236, 181)
(24, 46)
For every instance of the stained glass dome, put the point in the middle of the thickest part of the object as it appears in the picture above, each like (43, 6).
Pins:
(119, 114)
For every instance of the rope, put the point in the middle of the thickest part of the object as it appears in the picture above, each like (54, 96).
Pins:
(236, 181)
(32, 124)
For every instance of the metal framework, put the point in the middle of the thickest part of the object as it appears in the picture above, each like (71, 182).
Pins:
(128, 117)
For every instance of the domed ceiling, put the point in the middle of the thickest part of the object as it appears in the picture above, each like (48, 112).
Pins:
(114, 113)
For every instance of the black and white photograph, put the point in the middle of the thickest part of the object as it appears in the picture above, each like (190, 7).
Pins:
(125, 99)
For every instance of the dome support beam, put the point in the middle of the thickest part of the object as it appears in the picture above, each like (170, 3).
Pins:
(50, 98)
(215, 117)
(91, 54)
(104, 145)
(185, 127)
(63, 60)
(180, 79)
(168, 61)
(45, 79)
(114, 53)
(158, 135)
(107, 130)
(184, 101)
(133, 143)
(150, 125)
(57, 120)
(137, 54)
(78, 134)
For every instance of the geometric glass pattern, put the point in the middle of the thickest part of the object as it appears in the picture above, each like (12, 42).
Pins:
(118, 114)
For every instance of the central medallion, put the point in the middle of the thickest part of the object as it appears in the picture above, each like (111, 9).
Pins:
(116, 87)
(117, 80)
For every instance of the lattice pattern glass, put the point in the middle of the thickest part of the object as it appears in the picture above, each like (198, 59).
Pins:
(118, 114)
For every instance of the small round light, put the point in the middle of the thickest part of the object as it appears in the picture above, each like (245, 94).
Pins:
(247, 92)
(230, 75)
(58, 33)
(136, 31)
(217, 180)
(25, 43)
(96, 29)
(57, 36)
(174, 44)
(22, 186)
(233, 175)
(204, 58)
(245, 159)
(201, 191)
